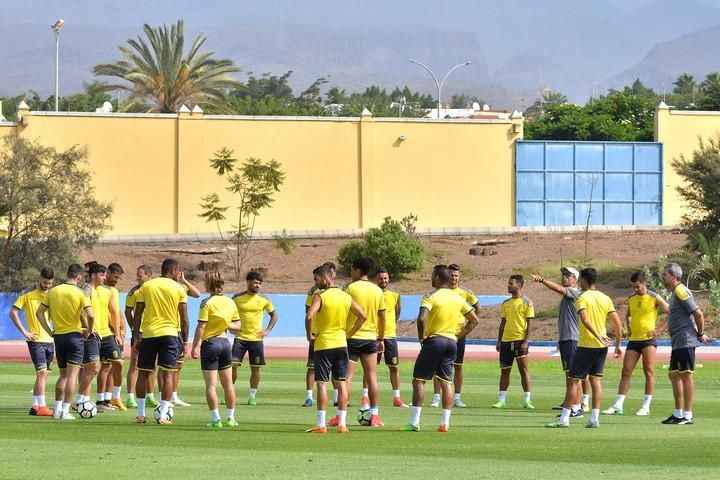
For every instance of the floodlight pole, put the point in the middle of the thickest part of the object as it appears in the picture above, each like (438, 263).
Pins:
(439, 84)
(56, 27)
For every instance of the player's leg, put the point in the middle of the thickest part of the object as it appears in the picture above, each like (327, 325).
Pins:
(340, 363)
(426, 365)
(238, 353)
(176, 400)
(596, 372)
(506, 360)
(42, 356)
(309, 377)
(147, 357)
(132, 374)
(71, 379)
(230, 398)
(629, 362)
(444, 371)
(102, 378)
(523, 367)
(210, 377)
(350, 373)
(322, 366)
(116, 379)
(436, 393)
(582, 360)
(256, 358)
(687, 380)
(458, 375)
(60, 391)
(648, 359)
(369, 364)
(90, 368)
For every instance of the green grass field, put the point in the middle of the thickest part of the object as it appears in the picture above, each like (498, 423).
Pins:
(270, 441)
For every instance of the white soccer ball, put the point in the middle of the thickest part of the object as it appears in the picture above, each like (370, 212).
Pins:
(168, 416)
(363, 417)
(86, 409)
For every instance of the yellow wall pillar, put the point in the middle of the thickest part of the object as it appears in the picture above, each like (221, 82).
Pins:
(191, 165)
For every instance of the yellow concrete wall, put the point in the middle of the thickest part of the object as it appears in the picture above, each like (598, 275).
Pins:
(680, 131)
(341, 174)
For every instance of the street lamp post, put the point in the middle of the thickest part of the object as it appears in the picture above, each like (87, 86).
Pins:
(56, 27)
(439, 84)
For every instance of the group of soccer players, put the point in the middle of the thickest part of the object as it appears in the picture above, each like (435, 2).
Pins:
(344, 327)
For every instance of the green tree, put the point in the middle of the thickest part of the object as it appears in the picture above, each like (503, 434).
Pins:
(48, 210)
(464, 100)
(685, 84)
(710, 88)
(157, 72)
(253, 186)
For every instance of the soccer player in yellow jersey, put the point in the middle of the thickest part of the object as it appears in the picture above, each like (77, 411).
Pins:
(326, 328)
(192, 291)
(218, 313)
(364, 345)
(458, 375)
(640, 319)
(512, 342)
(252, 307)
(162, 305)
(39, 342)
(390, 350)
(594, 309)
(67, 307)
(437, 332)
(142, 274)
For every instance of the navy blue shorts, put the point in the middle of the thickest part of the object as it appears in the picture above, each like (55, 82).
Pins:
(162, 351)
(332, 360)
(41, 354)
(92, 349)
(682, 360)
(215, 353)
(436, 359)
(460, 357)
(69, 349)
(110, 351)
(255, 351)
(640, 345)
(311, 355)
(390, 352)
(360, 347)
(509, 351)
(181, 349)
(588, 361)
(567, 352)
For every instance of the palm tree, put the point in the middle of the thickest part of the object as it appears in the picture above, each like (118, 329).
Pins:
(162, 79)
(685, 84)
(712, 80)
(554, 98)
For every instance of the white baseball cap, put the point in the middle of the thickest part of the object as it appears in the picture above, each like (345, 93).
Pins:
(570, 270)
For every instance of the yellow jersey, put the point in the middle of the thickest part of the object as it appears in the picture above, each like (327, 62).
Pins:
(308, 301)
(444, 307)
(217, 311)
(65, 304)
(251, 307)
(29, 301)
(130, 301)
(471, 300)
(100, 302)
(516, 312)
(330, 320)
(643, 311)
(598, 306)
(162, 297)
(370, 298)
(392, 299)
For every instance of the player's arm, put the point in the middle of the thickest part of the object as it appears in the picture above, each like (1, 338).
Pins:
(700, 323)
(137, 316)
(361, 317)
(271, 324)
(501, 330)
(582, 313)
(627, 320)
(199, 330)
(398, 309)
(381, 331)
(116, 325)
(421, 318)
(90, 317)
(184, 322)
(527, 332)
(470, 323)
(129, 318)
(18, 324)
(42, 319)
(664, 308)
(312, 310)
(618, 333)
(192, 290)
(555, 287)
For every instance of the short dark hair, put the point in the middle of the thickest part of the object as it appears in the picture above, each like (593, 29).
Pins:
(168, 265)
(454, 267)
(75, 270)
(96, 268)
(115, 268)
(47, 273)
(638, 276)
(323, 271)
(145, 268)
(365, 264)
(89, 264)
(442, 273)
(518, 279)
(589, 275)
(254, 275)
(381, 270)
(330, 265)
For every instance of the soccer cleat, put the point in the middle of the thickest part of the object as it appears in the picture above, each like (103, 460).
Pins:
(74, 406)
(150, 402)
(574, 414)
(686, 421)
(215, 424)
(528, 405)
(117, 403)
(230, 422)
(364, 402)
(179, 403)
(443, 428)
(613, 411)
(409, 427)
(104, 407)
(316, 430)
(672, 420)
(132, 403)
(335, 421)
(140, 420)
(585, 408)
(308, 402)
(335, 403)
(435, 403)
(44, 411)
(252, 401)
(558, 407)
(164, 421)
(34, 410)
(57, 414)
(499, 404)
(67, 416)
(375, 421)
(643, 412)
(592, 424)
(343, 429)
(397, 402)
(557, 424)
(459, 403)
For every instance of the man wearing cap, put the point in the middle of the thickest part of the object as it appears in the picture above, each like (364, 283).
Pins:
(568, 330)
